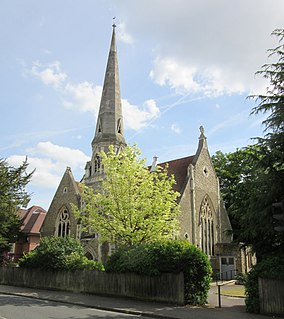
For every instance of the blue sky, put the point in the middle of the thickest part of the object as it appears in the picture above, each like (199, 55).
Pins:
(182, 64)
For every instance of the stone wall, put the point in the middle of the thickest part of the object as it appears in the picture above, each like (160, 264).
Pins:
(166, 288)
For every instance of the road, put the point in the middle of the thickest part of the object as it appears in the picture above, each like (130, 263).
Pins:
(18, 307)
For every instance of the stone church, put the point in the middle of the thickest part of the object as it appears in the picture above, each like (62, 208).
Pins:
(204, 221)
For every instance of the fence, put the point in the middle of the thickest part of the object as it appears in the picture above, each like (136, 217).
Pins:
(271, 296)
(166, 288)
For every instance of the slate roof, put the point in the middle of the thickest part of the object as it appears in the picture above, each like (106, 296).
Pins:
(178, 168)
(32, 219)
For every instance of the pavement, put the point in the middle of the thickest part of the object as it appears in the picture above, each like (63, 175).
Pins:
(232, 308)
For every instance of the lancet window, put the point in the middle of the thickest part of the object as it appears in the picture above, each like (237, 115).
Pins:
(97, 164)
(63, 224)
(206, 226)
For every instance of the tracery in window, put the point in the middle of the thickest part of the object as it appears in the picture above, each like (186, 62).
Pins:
(206, 225)
(63, 224)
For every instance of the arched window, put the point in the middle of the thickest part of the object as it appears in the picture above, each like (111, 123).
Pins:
(97, 164)
(206, 226)
(63, 223)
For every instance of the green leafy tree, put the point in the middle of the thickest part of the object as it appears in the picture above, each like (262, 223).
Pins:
(133, 204)
(248, 190)
(13, 195)
(252, 179)
(58, 253)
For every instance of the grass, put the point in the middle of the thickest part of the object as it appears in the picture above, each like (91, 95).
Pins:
(233, 292)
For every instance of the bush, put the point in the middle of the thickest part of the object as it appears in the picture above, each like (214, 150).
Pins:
(167, 257)
(270, 267)
(59, 254)
(241, 279)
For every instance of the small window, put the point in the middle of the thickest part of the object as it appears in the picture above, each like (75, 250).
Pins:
(119, 126)
(100, 126)
(224, 261)
(186, 235)
(97, 163)
(65, 190)
(205, 171)
(231, 261)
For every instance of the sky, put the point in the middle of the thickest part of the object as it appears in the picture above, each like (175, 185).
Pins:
(182, 64)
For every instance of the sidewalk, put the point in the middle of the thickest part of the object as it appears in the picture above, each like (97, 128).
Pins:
(232, 309)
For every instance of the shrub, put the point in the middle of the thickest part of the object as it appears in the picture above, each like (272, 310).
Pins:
(60, 254)
(270, 267)
(172, 256)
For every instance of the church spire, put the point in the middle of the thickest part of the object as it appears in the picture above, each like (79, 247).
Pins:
(110, 129)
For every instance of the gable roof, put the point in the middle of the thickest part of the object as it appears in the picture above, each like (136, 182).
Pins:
(32, 219)
(178, 168)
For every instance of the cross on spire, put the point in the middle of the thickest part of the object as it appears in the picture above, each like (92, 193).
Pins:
(113, 24)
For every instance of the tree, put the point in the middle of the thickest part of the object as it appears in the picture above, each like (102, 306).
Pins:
(248, 191)
(235, 170)
(12, 196)
(60, 254)
(133, 204)
(260, 167)
(273, 101)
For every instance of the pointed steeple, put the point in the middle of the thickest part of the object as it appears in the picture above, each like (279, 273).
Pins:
(110, 127)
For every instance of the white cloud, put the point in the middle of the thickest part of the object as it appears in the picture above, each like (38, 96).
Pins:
(61, 154)
(50, 74)
(175, 128)
(85, 96)
(207, 43)
(123, 35)
(185, 78)
(137, 118)
(50, 161)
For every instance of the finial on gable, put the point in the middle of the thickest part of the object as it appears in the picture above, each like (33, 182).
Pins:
(202, 138)
(201, 129)
(154, 163)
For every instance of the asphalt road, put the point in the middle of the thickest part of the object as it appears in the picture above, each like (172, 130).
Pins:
(17, 307)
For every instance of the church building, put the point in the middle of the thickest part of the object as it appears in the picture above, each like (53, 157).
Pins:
(204, 220)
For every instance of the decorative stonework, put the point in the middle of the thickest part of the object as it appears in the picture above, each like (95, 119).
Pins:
(63, 224)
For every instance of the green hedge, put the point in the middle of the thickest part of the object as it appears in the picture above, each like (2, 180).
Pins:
(270, 267)
(60, 254)
(167, 257)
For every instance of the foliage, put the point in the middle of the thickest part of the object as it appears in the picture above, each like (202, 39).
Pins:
(133, 205)
(13, 195)
(273, 101)
(271, 267)
(172, 256)
(252, 179)
(60, 254)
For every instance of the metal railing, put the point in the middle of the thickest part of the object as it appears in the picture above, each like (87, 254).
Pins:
(222, 279)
